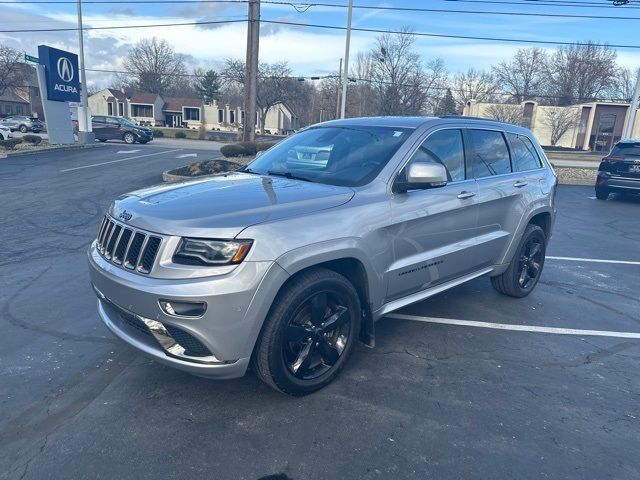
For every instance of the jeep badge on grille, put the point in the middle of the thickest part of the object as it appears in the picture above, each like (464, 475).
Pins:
(126, 216)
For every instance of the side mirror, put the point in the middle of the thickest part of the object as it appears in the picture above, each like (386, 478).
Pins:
(259, 153)
(423, 175)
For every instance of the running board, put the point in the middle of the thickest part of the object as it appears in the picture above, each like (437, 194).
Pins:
(424, 294)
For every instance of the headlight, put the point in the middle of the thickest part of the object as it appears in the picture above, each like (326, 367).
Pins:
(198, 251)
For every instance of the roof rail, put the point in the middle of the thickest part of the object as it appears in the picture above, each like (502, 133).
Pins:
(471, 118)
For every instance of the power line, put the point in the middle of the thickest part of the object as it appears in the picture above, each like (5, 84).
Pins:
(442, 35)
(444, 10)
(304, 6)
(118, 27)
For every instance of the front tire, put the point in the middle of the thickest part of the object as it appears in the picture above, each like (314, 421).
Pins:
(525, 268)
(129, 138)
(309, 333)
(23, 129)
(102, 140)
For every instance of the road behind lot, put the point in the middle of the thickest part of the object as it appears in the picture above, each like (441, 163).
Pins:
(430, 401)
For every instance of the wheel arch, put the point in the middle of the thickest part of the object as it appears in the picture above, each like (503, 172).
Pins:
(349, 262)
(542, 216)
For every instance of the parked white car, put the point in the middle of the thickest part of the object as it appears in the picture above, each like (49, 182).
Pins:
(5, 132)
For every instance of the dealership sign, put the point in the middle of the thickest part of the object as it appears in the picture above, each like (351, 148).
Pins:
(62, 74)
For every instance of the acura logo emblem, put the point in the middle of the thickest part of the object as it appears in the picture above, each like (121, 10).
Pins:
(65, 69)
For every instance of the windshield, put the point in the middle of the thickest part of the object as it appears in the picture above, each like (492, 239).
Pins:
(350, 156)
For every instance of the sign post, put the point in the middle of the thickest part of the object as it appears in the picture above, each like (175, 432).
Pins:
(59, 80)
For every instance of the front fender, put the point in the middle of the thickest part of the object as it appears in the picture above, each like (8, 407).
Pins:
(332, 250)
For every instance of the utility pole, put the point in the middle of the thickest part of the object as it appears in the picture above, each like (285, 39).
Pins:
(345, 72)
(251, 72)
(338, 91)
(85, 134)
(628, 131)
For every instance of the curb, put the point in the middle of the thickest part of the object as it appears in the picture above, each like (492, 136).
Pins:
(58, 149)
(169, 177)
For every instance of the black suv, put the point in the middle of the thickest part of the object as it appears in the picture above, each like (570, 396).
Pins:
(106, 127)
(620, 170)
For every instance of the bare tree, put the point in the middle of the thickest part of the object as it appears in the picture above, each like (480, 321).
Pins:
(506, 113)
(12, 71)
(559, 121)
(524, 76)
(275, 83)
(623, 84)
(581, 72)
(473, 85)
(400, 83)
(155, 66)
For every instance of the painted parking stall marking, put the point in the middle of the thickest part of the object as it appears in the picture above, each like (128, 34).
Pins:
(119, 160)
(518, 328)
(594, 260)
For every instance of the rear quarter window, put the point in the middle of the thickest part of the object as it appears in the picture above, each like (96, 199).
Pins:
(523, 154)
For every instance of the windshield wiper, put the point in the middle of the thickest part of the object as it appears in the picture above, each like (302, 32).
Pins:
(248, 170)
(288, 175)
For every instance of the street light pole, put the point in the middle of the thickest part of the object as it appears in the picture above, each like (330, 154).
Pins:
(345, 72)
(85, 134)
(628, 131)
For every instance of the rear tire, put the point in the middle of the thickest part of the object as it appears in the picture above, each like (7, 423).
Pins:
(602, 194)
(102, 140)
(525, 268)
(309, 333)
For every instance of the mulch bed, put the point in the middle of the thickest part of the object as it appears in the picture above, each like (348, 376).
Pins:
(206, 167)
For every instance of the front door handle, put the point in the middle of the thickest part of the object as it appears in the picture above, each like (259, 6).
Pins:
(520, 184)
(464, 194)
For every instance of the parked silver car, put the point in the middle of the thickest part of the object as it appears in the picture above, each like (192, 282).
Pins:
(286, 264)
(22, 123)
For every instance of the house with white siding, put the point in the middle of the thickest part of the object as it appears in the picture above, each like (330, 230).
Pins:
(186, 112)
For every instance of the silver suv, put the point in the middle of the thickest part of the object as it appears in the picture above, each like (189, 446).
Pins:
(285, 264)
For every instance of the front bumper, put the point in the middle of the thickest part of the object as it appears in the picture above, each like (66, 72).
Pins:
(237, 304)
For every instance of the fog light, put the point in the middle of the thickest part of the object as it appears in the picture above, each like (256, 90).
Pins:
(183, 309)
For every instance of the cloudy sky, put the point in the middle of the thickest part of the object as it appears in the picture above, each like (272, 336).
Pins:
(315, 51)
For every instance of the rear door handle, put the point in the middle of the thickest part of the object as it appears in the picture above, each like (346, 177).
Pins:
(520, 184)
(464, 194)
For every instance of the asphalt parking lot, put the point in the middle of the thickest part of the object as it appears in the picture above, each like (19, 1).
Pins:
(432, 400)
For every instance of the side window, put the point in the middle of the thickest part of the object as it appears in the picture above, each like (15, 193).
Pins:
(98, 119)
(112, 121)
(523, 153)
(444, 147)
(490, 153)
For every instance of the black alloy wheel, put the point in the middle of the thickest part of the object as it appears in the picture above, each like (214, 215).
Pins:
(530, 263)
(309, 333)
(525, 267)
(316, 335)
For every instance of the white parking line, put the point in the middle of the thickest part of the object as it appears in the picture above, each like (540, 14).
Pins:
(119, 160)
(519, 328)
(594, 260)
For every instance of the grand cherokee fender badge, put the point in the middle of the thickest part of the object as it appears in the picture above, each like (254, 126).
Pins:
(124, 215)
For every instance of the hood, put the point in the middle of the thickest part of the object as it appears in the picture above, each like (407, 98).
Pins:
(224, 205)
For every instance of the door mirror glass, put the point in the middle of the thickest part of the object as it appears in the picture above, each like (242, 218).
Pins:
(422, 175)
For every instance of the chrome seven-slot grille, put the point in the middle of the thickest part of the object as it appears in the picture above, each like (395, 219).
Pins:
(126, 246)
